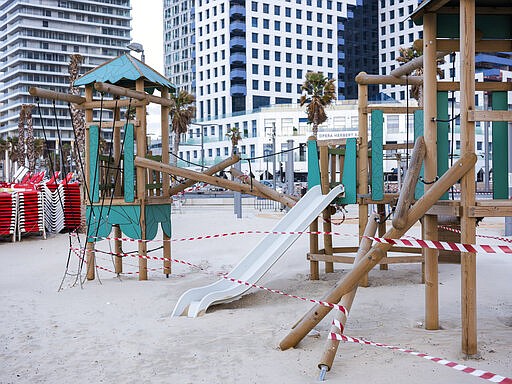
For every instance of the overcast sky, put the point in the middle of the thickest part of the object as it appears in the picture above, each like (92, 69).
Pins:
(147, 24)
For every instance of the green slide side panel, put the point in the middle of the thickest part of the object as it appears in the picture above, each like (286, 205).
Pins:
(418, 131)
(102, 219)
(493, 26)
(313, 165)
(155, 214)
(500, 148)
(377, 123)
(443, 131)
(349, 178)
(128, 164)
(94, 172)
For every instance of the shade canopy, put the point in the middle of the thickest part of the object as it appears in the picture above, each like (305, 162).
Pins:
(124, 70)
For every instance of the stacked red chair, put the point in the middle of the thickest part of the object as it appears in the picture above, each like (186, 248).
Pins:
(8, 214)
(72, 211)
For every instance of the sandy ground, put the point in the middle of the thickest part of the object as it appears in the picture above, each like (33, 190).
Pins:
(119, 329)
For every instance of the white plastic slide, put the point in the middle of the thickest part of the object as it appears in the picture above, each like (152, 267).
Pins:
(256, 263)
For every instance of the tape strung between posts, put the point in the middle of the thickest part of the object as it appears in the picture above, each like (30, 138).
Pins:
(459, 367)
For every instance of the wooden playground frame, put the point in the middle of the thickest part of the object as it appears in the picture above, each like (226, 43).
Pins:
(431, 200)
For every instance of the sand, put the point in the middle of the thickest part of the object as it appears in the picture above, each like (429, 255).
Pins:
(119, 329)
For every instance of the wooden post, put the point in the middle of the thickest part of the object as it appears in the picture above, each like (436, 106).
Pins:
(364, 246)
(326, 214)
(141, 183)
(90, 257)
(377, 252)
(381, 210)
(467, 133)
(313, 249)
(116, 146)
(430, 169)
(166, 182)
(362, 160)
(118, 249)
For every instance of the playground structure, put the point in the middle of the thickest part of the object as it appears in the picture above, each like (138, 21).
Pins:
(129, 190)
(481, 29)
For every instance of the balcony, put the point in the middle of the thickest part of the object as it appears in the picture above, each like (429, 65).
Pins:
(237, 27)
(238, 74)
(237, 11)
(237, 43)
(238, 90)
(238, 58)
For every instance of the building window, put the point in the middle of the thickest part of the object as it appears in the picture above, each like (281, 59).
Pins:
(299, 44)
(310, 60)
(255, 84)
(288, 27)
(277, 56)
(277, 41)
(266, 24)
(299, 59)
(277, 71)
(298, 29)
(266, 85)
(277, 10)
(309, 15)
(266, 54)
(298, 14)
(277, 87)
(266, 70)
(255, 69)
(277, 25)
(288, 72)
(288, 42)
(266, 39)
(265, 8)
(254, 22)
(288, 57)
(309, 30)
(255, 53)
(254, 38)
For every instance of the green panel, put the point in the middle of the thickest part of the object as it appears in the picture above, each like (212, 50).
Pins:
(500, 148)
(313, 165)
(349, 177)
(377, 123)
(158, 214)
(492, 26)
(100, 224)
(94, 171)
(128, 164)
(418, 131)
(443, 132)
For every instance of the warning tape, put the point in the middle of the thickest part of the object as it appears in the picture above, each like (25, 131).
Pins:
(238, 281)
(415, 243)
(323, 303)
(455, 230)
(444, 245)
(459, 367)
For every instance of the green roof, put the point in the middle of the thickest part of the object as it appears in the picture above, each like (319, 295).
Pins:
(123, 71)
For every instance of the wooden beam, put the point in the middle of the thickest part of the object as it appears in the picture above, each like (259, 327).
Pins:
(364, 78)
(453, 45)
(490, 115)
(112, 104)
(417, 62)
(392, 109)
(52, 95)
(198, 176)
(139, 95)
(384, 260)
(210, 171)
(479, 86)
(110, 124)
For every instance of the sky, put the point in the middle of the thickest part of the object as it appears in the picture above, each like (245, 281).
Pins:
(147, 24)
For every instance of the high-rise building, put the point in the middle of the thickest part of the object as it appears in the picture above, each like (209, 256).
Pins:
(240, 55)
(36, 41)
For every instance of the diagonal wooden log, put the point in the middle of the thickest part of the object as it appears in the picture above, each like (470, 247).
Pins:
(406, 196)
(210, 171)
(198, 176)
(377, 252)
(271, 193)
(331, 347)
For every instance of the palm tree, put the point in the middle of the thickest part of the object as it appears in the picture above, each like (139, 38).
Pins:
(182, 114)
(235, 136)
(408, 54)
(320, 92)
(29, 139)
(20, 147)
(77, 115)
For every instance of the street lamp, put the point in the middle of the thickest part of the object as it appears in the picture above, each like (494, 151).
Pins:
(137, 47)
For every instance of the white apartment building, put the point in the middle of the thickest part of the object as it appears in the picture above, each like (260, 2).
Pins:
(36, 41)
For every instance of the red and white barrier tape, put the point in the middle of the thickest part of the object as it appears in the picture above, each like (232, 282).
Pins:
(238, 281)
(415, 243)
(451, 229)
(459, 367)
(323, 303)
(444, 245)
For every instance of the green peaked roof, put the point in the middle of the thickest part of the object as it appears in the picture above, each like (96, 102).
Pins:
(123, 71)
